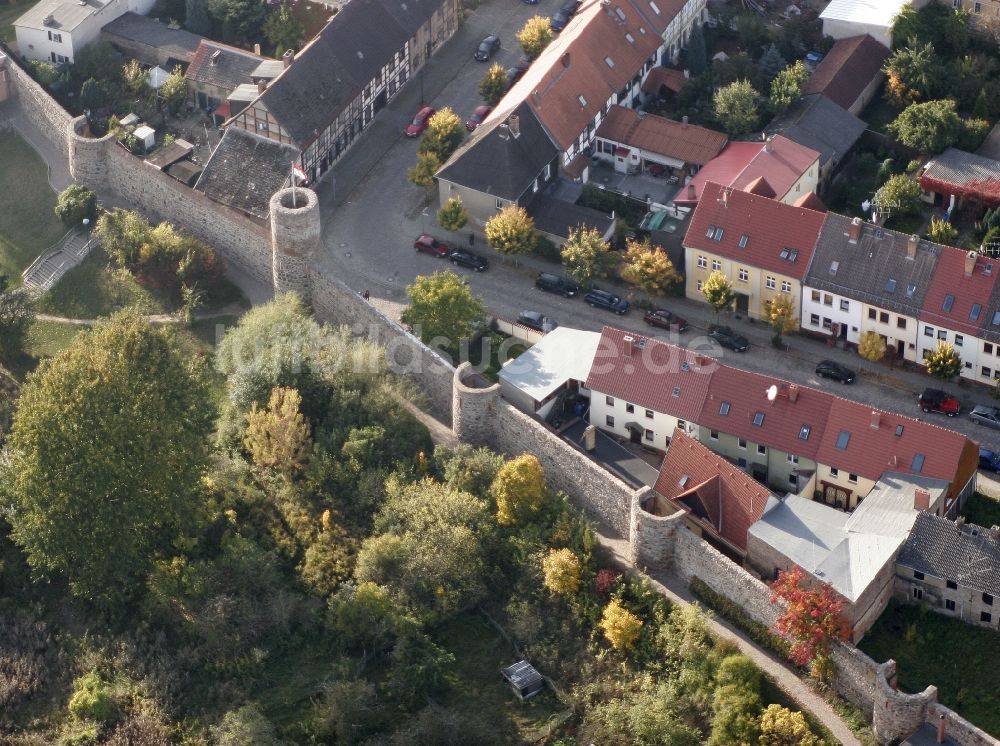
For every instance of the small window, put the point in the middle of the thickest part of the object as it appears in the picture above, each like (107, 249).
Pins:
(630, 408)
(804, 432)
(918, 593)
(845, 305)
(834, 472)
(742, 443)
(852, 478)
(929, 331)
(786, 286)
(791, 458)
(649, 412)
(988, 348)
(949, 604)
(942, 334)
(609, 420)
(648, 435)
(724, 408)
(815, 296)
(985, 616)
(883, 317)
(702, 261)
(959, 340)
(952, 584)
(872, 314)
(713, 434)
(918, 575)
(900, 322)
(827, 299)
(987, 599)
(499, 204)
(814, 319)
(743, 240)
(761, 450)
(890, 285)
(609, 400)
(843, 440)
(758, 419)
(918, 463)
(771, 282)
(987, 371)
(716, 265)
(744, 275)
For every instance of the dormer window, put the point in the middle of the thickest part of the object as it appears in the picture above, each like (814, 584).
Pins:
(890, 286)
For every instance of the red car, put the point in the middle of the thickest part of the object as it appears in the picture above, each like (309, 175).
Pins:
(419, 123)
(664, 319)
(477, 117)
(936, 400)
(430, 245)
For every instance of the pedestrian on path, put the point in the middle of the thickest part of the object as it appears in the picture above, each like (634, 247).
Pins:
(365, 294)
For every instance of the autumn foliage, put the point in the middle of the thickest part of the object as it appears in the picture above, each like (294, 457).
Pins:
(813, 619)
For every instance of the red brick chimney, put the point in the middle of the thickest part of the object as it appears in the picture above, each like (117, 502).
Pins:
(911, 246)
(970, 262)
(628, 345)
(288, 57)
(940, 729)
(261, 86)
(793, 392)
(876, 418)
(692, 193)
(921, 499)
(854, 230)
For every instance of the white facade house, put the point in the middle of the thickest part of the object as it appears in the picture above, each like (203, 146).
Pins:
(56, 30)
(966, 346)
(825, 311)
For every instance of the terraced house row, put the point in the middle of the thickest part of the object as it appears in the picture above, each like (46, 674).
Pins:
(848, 277)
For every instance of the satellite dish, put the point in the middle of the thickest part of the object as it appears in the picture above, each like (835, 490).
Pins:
(772, 393)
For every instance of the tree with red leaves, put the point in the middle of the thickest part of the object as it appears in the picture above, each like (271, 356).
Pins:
(813, 619)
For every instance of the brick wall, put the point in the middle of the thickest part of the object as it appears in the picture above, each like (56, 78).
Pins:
(44, 113)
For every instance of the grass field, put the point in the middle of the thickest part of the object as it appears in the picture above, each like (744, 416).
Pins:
(28, 225)
(958, 658)
(9, 12)
(982, 510)
(92, 289)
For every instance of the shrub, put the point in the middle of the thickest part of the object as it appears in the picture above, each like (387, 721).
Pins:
(562, 572)
(75, 204)
(621, 627)
(732, 611)
(92, 699)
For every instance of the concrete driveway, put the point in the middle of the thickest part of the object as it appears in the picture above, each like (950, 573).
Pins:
(372, 213)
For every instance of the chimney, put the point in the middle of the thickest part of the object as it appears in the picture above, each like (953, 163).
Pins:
(684, 120)
(215, 56)
(565, 60)
(514, 125)
(970, 262)
(687, 74)
(504, 131)
(959, 522)
(724, 199)
(921, 499)
(627, 345)
(854, 230)
(692, 192)
(940, 729)
(287, 57)
(876, 419)
(261, 86)
(911, 246)
(793, 392)
(256, 49)
(769, 145)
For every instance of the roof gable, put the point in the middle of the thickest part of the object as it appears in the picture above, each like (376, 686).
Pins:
(956, 300)
(686, 142)
(848, 68)
(968, 555)
(773, 230)
(818, 123)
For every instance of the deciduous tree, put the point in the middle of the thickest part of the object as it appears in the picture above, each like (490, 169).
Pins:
(930, 127)
(718, 292)
(649, 268)
(736, 107)
(944, 362)
(621, 627)
(196, 18)
(284, 30)
(519, 489)
(107, 447)
(780, 726)
(787, 85)
(914, 74)
(243, 726)
(135, 77)
(813, 618)
(278, 437)
(534, 36)
(511, 231)
(444, 133)
(561, 569)
(422, 174)
(442, 305)
(781, 315)
(174, 90)
(586, 255)
(240, 20)
(15, 318)
(900, 195)
(75, 204)
(871, 346)
(941, 231)
(452, 215)
(494, 84)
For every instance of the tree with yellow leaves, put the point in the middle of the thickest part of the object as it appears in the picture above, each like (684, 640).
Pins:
(561, 568)
(518, 488)
(649, 268)
(781, 316)
(278, 436)
(780, 726)
(872, 346)
(621, 627)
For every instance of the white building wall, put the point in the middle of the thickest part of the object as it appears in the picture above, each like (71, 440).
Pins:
(658, 428)
(845, 29)
(894, 327)
(821, 310)
(807, 182)
(965, 345)
(36, 44)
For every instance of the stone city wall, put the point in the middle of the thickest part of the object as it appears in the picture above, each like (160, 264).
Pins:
(35, 103)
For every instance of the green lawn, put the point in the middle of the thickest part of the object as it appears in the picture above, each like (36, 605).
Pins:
(10, 11)
(93, 289)
(28, 225)
(958, 658)
(982, 510)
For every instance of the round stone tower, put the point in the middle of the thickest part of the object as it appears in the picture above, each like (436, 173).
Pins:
(295, 239)
(474, 403)
(88, 156)
(897, 715)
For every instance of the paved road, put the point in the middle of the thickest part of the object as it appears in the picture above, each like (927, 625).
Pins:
(372, 213)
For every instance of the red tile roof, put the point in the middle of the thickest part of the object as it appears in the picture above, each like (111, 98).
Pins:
(650, 376)
(232, 66)
(704, 388)
(660, 77)
(770, 227)
(949, 281)
(811, 201)
(728, 499)
(847, 69)
(741, 163)
(761, 188)
(685, 142)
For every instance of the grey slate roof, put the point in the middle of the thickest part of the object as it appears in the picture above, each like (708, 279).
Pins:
(864, 268)
(557, 217)
(988, 330)
(232, 66)
(344, 57)
(969, 555)
(818, 123)
(245, 170)
(495, 162)
(133, 27)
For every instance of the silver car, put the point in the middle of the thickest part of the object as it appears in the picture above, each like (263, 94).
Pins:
(989, 416)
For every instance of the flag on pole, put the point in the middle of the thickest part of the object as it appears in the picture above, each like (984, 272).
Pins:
(299, 174)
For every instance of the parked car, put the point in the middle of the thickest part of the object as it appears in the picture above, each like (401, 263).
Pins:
(523, 64)
(464, 258)
(419, 123)
(598, 298)
(487, 48)
(430, 245)
(513, 75)
(988, 460)
(561, 17)
(536, 320)
(551, 283)
(836, 371)
(730, 339)
(477, 117)
(936, 400)
(984, 415)
(664, 319)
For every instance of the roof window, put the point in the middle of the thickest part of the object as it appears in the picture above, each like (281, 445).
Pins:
(996, 318)
(743, 240)
(789, 254)
(834, 266)
(890, 285)
(676, 392)
(949, 301)
(899, 430)
(654, 6)
(582, 100)
(974, 313)
(758, 419)
(843, 439)
(682, 481)
(910, 290)
(918, 463)
(804, 432)
(987, 270)
(724, 409)
(629, 38)
(620, 13)
(609, 62)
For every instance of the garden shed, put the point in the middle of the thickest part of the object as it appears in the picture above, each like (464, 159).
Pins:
(524, 679)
